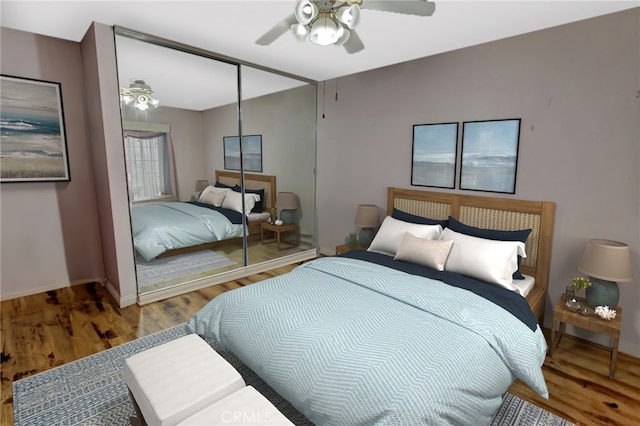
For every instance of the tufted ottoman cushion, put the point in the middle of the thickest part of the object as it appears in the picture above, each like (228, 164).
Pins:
(177, 379)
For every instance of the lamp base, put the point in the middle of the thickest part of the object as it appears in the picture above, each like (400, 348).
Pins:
(602, 293)
(286, 216)
(366, 236)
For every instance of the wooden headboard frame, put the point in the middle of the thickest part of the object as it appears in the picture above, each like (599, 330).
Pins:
(252, 181)
(492, 213)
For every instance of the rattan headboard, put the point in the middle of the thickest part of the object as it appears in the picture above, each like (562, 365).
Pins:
(492, 213)
(252, 181)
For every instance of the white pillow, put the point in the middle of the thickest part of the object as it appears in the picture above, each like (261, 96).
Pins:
(430, 253)
(213, 198)
(233, 201)
(211, 189)
(488, 260)
(392, 230)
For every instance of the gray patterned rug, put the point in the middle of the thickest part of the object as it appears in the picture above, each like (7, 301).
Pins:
(168, 268)
(91, 391)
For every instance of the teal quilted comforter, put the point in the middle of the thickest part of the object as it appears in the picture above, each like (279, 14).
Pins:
(349, 342)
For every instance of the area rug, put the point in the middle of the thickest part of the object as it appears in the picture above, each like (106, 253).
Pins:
(92, 391)
(168, 268)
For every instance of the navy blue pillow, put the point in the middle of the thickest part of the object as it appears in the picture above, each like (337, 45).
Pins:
(492, 234)
(259, 206)
(222, 185)
(412, 218)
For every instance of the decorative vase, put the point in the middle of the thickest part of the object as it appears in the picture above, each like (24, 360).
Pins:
(603, 293)
(569, 293)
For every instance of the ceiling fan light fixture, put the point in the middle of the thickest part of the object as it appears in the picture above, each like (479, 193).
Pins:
(349, 15)
(300, 32)
(324, 31)
(139, 93)
(343, 37)
(306, 11)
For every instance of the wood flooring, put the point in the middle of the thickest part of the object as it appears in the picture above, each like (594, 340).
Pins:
(50, 329)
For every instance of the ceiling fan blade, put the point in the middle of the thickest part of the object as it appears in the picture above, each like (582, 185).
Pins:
(354, 43)
(405, 7)
(279, 29)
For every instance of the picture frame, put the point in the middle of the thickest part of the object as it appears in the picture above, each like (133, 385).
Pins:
(490, 155)
(434, 154)
(251, 152)
(33, 138)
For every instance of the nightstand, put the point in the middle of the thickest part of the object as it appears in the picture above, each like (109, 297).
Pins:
(278, 230)
(592, 322)
(343, 248)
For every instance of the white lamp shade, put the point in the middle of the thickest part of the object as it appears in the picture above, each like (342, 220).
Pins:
(607, 260)
(324, 31)
(201, 185)
(343, 38)
(367, 216)
(287, 201)
(349, 15)
(300, 32)
(305, 11)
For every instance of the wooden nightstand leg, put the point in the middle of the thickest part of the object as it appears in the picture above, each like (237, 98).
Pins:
(614, 358)
(555, 340)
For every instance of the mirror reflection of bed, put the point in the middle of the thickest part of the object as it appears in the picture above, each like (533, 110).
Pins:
(195, 127)
(174, 243)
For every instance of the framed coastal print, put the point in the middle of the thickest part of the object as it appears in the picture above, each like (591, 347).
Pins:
(490, 155)
(251, 152)
(433, 161)
(33, 144)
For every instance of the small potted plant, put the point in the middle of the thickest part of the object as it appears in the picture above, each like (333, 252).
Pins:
(351, 241)
(580, 283)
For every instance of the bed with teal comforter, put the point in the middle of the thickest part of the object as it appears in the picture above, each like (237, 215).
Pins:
(351, 342)
(167, 226)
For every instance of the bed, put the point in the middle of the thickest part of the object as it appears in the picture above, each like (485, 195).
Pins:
(167, 229)
(372, 338)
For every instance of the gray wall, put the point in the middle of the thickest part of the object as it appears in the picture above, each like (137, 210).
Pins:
(575, 88)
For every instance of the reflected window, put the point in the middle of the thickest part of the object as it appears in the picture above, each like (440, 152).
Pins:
(149, 162)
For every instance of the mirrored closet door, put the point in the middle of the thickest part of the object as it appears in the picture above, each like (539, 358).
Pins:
(198, 211)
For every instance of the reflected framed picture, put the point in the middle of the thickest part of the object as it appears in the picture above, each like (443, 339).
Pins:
(490, 155)
(251, 152)
(434, 152)
(33, 143)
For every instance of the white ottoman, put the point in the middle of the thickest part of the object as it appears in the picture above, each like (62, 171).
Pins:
(177, 379)
(244, 407)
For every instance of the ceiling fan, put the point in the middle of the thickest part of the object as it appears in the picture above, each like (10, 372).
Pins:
(327, 22)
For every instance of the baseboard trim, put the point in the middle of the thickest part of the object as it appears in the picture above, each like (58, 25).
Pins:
(51, 287)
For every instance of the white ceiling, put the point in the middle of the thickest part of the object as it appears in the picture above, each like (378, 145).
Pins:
(230, 28)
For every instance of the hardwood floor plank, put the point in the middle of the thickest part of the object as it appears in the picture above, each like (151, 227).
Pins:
(50, 329)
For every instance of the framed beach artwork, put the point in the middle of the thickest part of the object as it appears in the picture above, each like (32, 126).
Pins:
(490, 155)
(251, 152)
(33, 145)
(434, 155)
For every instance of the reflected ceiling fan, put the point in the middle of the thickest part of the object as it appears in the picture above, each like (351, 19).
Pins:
(327, 22)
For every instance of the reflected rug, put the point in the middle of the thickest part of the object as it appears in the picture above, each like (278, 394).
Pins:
(92, 391)
(169, 268)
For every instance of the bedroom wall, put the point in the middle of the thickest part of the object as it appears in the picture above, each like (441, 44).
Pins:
(50, 234)
(282, 151)
(575, 88)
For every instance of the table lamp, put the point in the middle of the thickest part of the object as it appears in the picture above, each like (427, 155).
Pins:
(367, 219)
(200, 186)
(287, 202)
(606, 263)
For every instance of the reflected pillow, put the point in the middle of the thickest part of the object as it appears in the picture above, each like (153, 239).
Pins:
(211, 189)
(492, 234)
(408, 217)
(488, 260)
(430, 253)
(392, 230)
(233, 201)
(259, 206)
(213, 198)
